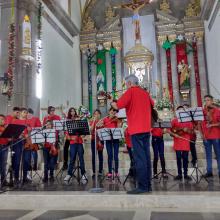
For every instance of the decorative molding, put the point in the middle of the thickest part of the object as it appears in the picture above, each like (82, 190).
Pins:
(214, 15)
(207, 9)
(62, 16)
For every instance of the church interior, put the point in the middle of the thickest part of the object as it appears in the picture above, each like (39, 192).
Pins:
(64, 56)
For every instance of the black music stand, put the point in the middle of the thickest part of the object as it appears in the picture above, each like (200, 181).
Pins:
(193, 115)
(12, 131)
(78, 128)
(107, 134)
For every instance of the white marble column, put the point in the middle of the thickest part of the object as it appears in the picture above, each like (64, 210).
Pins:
(119, 75)
(94, 87)
(163, 64)
(108, 76)
(176, 93)
(85, 80)
(202, 68)
(193, 95)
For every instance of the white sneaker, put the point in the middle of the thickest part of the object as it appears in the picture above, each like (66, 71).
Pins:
(84, 179)
(67, 178)
(29, 177)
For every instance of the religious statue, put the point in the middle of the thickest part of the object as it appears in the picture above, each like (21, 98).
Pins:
(109, 14)
(190, 11)
(184, 71)
(135, 7)
(89, 25)
(165, 6)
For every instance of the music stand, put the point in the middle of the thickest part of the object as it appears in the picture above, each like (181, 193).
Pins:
(192, 115)
(108, 134)
(60, 125)
(12, 131)
(78, 128)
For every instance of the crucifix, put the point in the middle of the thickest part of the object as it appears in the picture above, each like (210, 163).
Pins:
(135, 7)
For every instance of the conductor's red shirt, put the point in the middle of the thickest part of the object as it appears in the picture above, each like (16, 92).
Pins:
(137, 103)
(181, 143)
(128, 138)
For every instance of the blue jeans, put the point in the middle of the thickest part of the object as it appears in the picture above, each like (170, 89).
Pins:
(208, 149)
(100, 155)
(74, 150)
(158, 148)
(34, 155)
(16, 158)
(49, 162)
(112, 148)
(3, 161)
(182, 155)
(142, 160)
(26, 162)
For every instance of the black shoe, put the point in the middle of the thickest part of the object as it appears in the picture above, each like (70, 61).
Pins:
(207, 175)
(138, 191)
(26, 181)
(178, 177)
(188, 178)
(65, 166)
(93, 175)
(155, 176)
(5, 184)
(194, 163)
(51, 179)
(45, 180)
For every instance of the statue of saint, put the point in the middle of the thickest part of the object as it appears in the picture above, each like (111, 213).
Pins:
(135, 7)
(184, 72)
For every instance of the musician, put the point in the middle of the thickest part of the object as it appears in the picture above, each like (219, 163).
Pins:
(3, 152)
(193, 141)
(50, 153)
(138, 105)
(158, 149)
(13, 116)
(72, 114)
(51, 115)
(181, 136)
(211, 133)
(76, 148)
(93, 123)
(34, 123)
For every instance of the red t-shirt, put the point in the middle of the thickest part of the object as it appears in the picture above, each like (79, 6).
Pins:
(213, 132)
(179, 143)
(137, 103)
(34, 122)
(157, 132)
(51, 118)
(128, 139)
(76, 139)
(110, 122)
(3, 141)
(94, 123)
(10, 119)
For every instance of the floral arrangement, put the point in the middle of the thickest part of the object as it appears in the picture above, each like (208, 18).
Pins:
(163, 103)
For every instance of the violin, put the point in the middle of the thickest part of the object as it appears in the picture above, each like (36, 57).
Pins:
(53, 150)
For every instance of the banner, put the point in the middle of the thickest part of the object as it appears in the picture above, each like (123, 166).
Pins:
(89, 57)
(113, 53)
(169, 75)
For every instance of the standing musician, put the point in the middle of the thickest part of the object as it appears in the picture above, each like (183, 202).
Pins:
(112, 146)
(76, 148)
(51, 115)
(13, 116)
(72, 115)
(93, 122)
(158, 149)
(50, 153)
(3, 152)
(138, 105)
(211, 133)
(181, 135)
(34, 123)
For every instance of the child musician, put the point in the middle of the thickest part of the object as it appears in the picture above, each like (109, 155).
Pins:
(181, 134)
(112, 146)
(50, 153)
(3, 153)
(51, 115)
(76, 147)
(158, 149)
(93, 123)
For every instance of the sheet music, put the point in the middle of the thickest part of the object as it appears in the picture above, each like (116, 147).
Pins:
(107, 134)
(39, 136)
(190, 114)
(121, 113)
(60, 125)
(162, 124)
(80, 127)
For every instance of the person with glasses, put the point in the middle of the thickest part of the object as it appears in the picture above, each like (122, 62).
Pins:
(51, 115)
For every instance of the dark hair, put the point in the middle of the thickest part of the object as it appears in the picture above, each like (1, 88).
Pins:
(49, 109)
(49, 122)
(23, 109)
(186, 105)
(30, 111)
(1, 115)
(209, 96)
(15, 109)
(111, 108)
(97, 110)
(69, 116)
(179, 107)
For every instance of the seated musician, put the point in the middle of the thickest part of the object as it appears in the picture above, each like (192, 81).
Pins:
(50, 153)
(158, 149)
(112, 146)
(76, 148)
(93, 123)
(3, 153)
(181, 137)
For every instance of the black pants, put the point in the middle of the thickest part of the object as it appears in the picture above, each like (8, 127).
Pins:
(193, 152)
(182, 158)
(66, 152)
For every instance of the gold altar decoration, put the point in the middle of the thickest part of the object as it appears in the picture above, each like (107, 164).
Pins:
(165, 6)
(109, 14)
(193, 9)
(89, 25)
